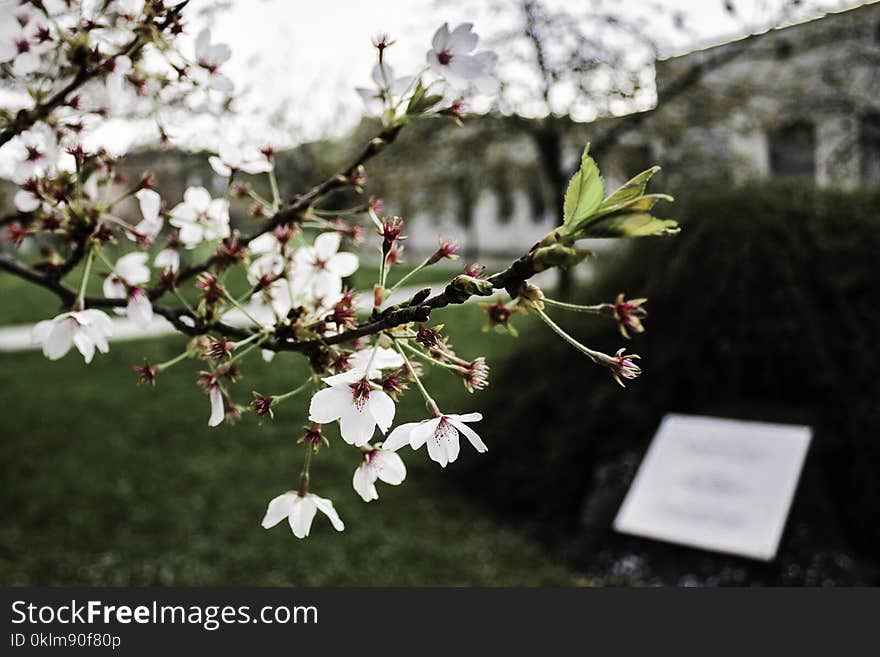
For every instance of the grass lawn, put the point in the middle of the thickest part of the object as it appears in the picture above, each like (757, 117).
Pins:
(106, 483)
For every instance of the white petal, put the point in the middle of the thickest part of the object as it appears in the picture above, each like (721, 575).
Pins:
(326, 286)
(467, 67)
(279, 508)
(198, 198)
(59, 339)
(327, 404)
(84, 343)
(41, 331)
(25, 201)
(327, 244)
(191, 235)
(139, 309)
(467, 417)
(258, 165)
(441, 37)
(301, 515)
(167, 259)
(389, 467)
(217, 410)
(219, 166)
(343, 264)
(357, 425)
(363, 482)
(150, 201)
(382, 409)
(399, 437)
(419, 434)
(113, 288)
(462, 40)
(132, 268)
(265, 243)
(327, 508)
(469, 433)
(438, 446)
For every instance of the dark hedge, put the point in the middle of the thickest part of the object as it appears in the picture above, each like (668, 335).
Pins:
(765, 307)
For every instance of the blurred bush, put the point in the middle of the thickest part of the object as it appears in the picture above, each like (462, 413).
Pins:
(765, 307)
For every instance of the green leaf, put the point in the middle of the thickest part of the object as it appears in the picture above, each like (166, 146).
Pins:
(643, 203)
(585, 191)
(630, 190)
(421, 101)
(630, 224)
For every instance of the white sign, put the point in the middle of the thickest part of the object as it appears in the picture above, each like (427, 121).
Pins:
(718, 484)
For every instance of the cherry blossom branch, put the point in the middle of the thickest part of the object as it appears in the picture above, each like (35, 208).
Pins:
(67, 296)
(25, 119)
(298, 206)
(417, 309)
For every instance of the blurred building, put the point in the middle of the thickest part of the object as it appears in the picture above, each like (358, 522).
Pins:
(801, 101)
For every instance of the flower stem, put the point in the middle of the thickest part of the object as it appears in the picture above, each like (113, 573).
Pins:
(244, 312)
(592, 310)
(174, 361)
(276, 195)
(295, 391)
(304, 476)
(409, 275)
(262, 338)
(80, 298)
(183, 300)
(428, 357)
(589, 353)
(432, 405)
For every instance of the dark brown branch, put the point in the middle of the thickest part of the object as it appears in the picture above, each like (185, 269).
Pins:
(68, 297)
(508, 279)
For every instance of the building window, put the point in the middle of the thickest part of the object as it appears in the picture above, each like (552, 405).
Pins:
(869, 148)
(793, 150)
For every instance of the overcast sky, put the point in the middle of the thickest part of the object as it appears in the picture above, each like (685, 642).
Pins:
(303, 58)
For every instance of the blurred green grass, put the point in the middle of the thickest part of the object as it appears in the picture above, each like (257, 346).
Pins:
(107, 483)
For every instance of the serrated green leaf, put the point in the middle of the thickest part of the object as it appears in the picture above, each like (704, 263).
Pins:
(630, 224)
(643, 203)
(585, 191)
(630, 190)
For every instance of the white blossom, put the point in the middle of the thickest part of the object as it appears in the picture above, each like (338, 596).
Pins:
(231, 158)
(151, 225)
(359, 407)
(26, 201)
(34, 151)
(200, 218)
(128, 273)
(87, 329)
(320, 268)
(379, 463)
(388, 88)
(374, 358)
(300, 511)
(452, 57)
(18, 43)
(209, 57)
(167, 259)
(130, 269)
(441, 435)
